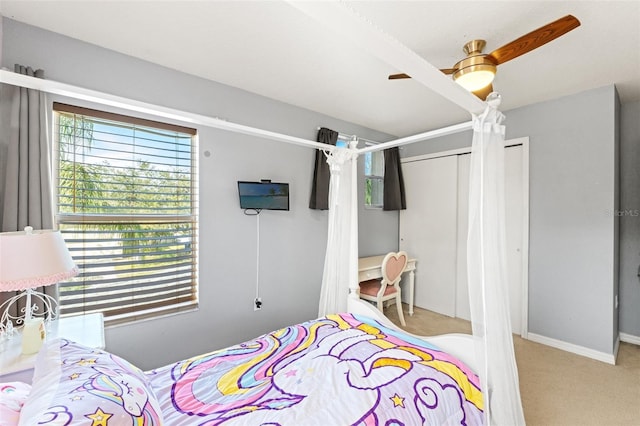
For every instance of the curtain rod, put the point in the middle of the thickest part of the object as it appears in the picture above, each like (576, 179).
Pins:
(365, 140)
(57, 88)
(346, 136)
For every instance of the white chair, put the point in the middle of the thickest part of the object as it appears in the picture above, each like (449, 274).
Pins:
(387, 288)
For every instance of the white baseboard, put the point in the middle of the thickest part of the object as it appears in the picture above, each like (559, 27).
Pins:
(630, 338)
(576, 349)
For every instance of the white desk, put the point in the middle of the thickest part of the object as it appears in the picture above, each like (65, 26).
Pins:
(87, 330)
(370, 268)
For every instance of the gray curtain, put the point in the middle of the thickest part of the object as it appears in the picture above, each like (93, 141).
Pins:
(321, 174)
(393, 197)
(25, 162)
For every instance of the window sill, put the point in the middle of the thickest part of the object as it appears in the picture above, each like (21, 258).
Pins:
(135, 319)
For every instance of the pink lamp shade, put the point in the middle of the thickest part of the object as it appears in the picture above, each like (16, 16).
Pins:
(30, 259)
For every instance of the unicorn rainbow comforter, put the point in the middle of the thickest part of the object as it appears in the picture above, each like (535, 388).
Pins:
(337, 370)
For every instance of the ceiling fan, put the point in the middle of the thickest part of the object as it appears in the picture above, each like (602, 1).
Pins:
(476, 72)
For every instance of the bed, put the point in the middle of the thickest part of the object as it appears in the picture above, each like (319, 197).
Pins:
(353, 368)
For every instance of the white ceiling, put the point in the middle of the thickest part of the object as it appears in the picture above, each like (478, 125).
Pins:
(272, 49)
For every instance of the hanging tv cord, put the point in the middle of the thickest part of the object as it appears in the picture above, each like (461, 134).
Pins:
(257, 302)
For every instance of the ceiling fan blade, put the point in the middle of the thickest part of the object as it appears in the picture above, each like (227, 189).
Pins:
(484, 92)
(399, 76)
(534, 39)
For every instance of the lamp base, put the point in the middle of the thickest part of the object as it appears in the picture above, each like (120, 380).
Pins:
(10, 322)
(33, 334)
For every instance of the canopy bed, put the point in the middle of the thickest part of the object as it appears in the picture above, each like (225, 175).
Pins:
(357, 346)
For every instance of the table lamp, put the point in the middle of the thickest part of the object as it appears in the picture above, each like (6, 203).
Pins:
(31, 259)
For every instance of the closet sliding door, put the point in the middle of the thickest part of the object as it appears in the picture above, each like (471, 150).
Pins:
(428, 230)
(434, 229)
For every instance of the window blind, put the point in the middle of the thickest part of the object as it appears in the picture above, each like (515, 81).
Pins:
(127, 208)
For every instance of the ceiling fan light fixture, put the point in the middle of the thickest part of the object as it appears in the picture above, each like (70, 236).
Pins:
(476, 76)
(476, 72)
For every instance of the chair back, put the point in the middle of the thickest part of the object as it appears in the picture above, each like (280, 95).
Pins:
(393, 265)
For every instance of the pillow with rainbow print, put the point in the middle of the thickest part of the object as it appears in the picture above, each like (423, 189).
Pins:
(74, 384)
(12, 397)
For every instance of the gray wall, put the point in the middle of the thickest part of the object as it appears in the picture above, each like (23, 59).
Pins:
(573, 231)
(630, 219)
(572, 224)
(292, 244)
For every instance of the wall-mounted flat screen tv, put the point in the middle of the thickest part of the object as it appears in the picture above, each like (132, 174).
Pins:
(263, 195)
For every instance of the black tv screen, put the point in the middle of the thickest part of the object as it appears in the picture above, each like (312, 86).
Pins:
(263, 195)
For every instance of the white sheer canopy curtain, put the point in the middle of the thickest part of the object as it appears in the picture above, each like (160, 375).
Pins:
(25, 163)
(340, 258)
(488, 290)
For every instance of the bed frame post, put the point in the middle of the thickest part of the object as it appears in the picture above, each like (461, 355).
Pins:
(354, 286)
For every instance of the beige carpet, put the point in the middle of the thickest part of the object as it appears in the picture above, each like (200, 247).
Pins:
(557, 388)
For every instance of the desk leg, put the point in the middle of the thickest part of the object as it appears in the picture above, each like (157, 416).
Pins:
(411, 288)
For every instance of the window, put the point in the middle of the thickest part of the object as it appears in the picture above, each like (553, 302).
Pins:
(374, 179)
(127, 208)
(342, 143)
